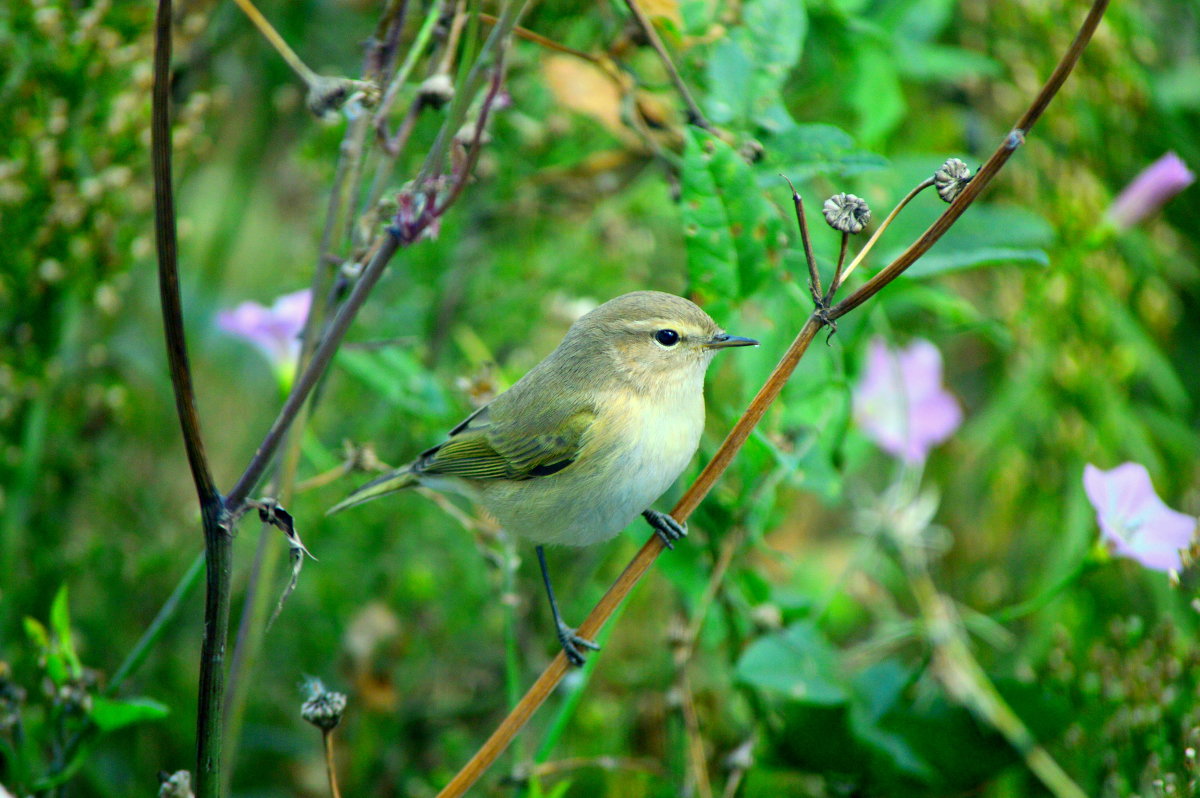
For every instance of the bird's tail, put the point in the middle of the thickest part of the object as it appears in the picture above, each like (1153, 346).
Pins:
(388, 483)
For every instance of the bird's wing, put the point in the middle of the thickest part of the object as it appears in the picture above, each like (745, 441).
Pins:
(481, 448)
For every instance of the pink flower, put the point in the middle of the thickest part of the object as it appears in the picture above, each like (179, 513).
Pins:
(1133, 520)
(1150, 190)
(900, 403)
(274, 330)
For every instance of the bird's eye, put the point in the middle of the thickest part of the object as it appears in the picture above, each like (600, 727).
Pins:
(667, 337)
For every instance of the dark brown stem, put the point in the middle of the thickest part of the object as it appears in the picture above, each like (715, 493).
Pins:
(637, 568)
(322, 355)
(814, 276)
(695, 115)
(837, 271)
(218, 544)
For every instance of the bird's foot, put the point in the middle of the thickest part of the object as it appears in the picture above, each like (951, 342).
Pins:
(667, 528)
(571, 643)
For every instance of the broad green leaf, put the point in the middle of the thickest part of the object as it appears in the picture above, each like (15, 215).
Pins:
(733, 235)
(110, 714)
(875, 91)
(941, 62)
(801, 151)
(935, 263)
(798, 663)
(747, 68)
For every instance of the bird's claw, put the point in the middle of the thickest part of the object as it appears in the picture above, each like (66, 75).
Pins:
(667, 528)
(571, 643)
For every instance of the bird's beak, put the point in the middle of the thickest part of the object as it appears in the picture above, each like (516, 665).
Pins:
(725, 340)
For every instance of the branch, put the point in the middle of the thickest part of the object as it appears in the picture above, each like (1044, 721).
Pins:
(695, 115)
(218, 544)
(770, 390)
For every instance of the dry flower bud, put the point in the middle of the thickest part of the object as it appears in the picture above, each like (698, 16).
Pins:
(951, 178)
(847, 213)
(324, 708)
(175, 785)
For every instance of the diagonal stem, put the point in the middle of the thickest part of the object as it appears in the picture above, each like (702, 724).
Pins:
(637, 568)
(695, 115)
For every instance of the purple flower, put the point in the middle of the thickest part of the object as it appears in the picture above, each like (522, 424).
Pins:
(900, 403)
(1135, 522)
(274, 330)
(1150, 190)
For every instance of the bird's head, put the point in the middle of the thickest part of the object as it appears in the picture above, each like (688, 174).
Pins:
(655, 340)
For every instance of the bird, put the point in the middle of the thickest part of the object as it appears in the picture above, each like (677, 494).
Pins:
(588, 439)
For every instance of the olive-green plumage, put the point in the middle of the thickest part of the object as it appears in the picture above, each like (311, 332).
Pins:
(592, 435)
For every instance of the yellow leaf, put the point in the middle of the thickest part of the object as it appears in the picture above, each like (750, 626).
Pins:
(584, 88)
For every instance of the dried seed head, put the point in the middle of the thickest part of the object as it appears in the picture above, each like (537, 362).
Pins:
(847, 213)
(323, 708)
(175, 785)
(436, 91)
(951, 178)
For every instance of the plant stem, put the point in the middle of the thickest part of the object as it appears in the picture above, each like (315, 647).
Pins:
(841, 275)
(271, 35)
(327, 741)
(218, 542)
(695, 115)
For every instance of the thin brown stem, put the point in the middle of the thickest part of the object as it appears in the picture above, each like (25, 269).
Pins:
(695, 115)
(330, 768)
(316, 368)
(637, 568)
(537, 38)
(862, 253)
(272, 36)
(837, 270)
(814, 276)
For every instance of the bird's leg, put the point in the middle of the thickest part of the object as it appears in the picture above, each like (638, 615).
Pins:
(566, 635)
(667, 528)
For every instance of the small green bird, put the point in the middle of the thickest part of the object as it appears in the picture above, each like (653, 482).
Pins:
(589, 438)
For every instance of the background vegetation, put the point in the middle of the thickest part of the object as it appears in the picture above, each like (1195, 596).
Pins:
(791, 646)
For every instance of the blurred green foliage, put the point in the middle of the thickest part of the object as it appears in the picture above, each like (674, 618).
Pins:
(808, 665)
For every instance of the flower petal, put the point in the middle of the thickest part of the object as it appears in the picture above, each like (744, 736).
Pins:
(1133, 520)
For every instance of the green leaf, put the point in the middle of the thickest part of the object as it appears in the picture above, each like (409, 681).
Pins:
(876, 94)
(60, 624)
(942, 62)
(801, 151)
(733, 235)
(110, 714)
(798, 663)
(933, 263)
(747, 68)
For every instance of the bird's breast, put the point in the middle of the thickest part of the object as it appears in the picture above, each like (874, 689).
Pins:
(636, 448)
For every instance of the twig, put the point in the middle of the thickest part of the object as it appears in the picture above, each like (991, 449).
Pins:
(814, 276)
(330, 768)
(549, 44)
(695, 115)
(545, 683)
(312, 374)
(272, 36)
(218, 543)
(841, 276)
